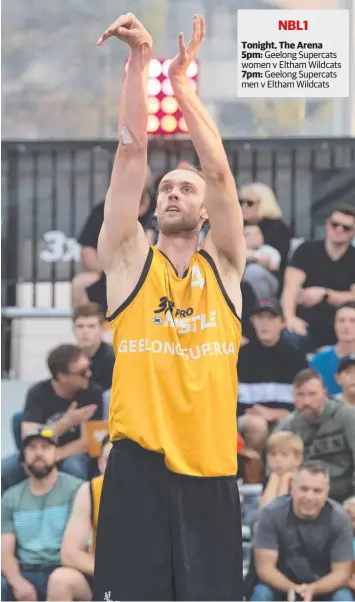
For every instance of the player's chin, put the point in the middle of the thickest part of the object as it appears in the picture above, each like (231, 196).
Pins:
(173, 224)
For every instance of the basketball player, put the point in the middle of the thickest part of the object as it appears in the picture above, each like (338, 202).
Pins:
(169, 525)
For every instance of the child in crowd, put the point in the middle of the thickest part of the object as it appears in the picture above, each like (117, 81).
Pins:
(263, 263)
(349, 507)
(284, 455)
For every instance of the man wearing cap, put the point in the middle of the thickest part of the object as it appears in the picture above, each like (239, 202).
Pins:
(34, 515)
(346, 379)
(266, 368)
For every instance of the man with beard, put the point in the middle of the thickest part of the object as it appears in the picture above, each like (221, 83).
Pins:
(327, 429)
(170, 525)
(34, 515)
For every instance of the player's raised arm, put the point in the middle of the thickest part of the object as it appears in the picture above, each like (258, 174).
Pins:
(130, 165)
(221, 199)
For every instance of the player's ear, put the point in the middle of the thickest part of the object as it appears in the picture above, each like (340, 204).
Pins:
(204, 215)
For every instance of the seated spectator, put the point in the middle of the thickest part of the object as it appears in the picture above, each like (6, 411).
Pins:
(73, 580)
(349, 507)
(303, 542)
(263, 262)
(34, 515)
(327, 429)
(284, 455)
(65, 402)
(88, 321)
(259, 206)
(249, 301)
(321, 276)
(326, 362)
(267, 366)
(346, 379)
(90, 285)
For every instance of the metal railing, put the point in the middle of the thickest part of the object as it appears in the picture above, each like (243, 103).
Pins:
(49, 188)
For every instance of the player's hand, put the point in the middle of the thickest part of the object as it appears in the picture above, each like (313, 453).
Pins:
(128, 29)
(24, 590)
(180, 64)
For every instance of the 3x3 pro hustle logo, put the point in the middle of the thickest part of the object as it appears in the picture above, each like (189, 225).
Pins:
(183, 320)
(166, 306)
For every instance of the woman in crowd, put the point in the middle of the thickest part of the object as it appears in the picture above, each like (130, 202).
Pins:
(259, 206)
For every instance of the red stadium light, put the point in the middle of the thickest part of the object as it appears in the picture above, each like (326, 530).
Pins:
(183, 126)
(155, 68)
(153, 124)
(166, 65)
(153, 104)
(154, 87)
(192, 69)
(164, 115)
(169, 105)
(168, 124)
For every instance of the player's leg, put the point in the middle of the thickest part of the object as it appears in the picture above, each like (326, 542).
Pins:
(133, 547)
(207, 539)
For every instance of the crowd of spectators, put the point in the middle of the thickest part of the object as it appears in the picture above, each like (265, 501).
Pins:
(296, 420)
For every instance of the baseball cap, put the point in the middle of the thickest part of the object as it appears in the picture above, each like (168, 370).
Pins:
(270, 305)
(345, 362)
(43, 432)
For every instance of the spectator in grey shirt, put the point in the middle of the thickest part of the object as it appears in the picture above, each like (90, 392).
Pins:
(303, 543)
(327, 429)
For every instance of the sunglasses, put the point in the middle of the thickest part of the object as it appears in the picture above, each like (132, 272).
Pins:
(247, 202)
(336, 224)
(82, 372)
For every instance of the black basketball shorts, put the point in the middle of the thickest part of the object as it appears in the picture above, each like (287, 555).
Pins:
(165, 536)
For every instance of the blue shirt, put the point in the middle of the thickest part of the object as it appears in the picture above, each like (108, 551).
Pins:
(38, 521)
(326, 363)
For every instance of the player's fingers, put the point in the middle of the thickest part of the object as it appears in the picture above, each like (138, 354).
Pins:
(195, 34)
(181, 42)
(124, 21)
(202, 27)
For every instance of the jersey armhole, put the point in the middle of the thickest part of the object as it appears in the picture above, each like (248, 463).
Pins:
(213, 266)
(136, 289)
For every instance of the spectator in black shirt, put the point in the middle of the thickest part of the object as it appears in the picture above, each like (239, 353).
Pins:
(88, 321)
(65, 402)
(267, 366)
(259, 206)
(249, 302)
(320, 278)
(91, 284)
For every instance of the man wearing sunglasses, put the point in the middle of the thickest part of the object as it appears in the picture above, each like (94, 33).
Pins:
(65, 402)
(320, 278)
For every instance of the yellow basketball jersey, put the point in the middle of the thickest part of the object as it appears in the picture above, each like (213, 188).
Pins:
(95, 494)
(174, 386)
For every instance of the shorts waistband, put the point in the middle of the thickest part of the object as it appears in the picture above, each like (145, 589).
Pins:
(127, 447)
